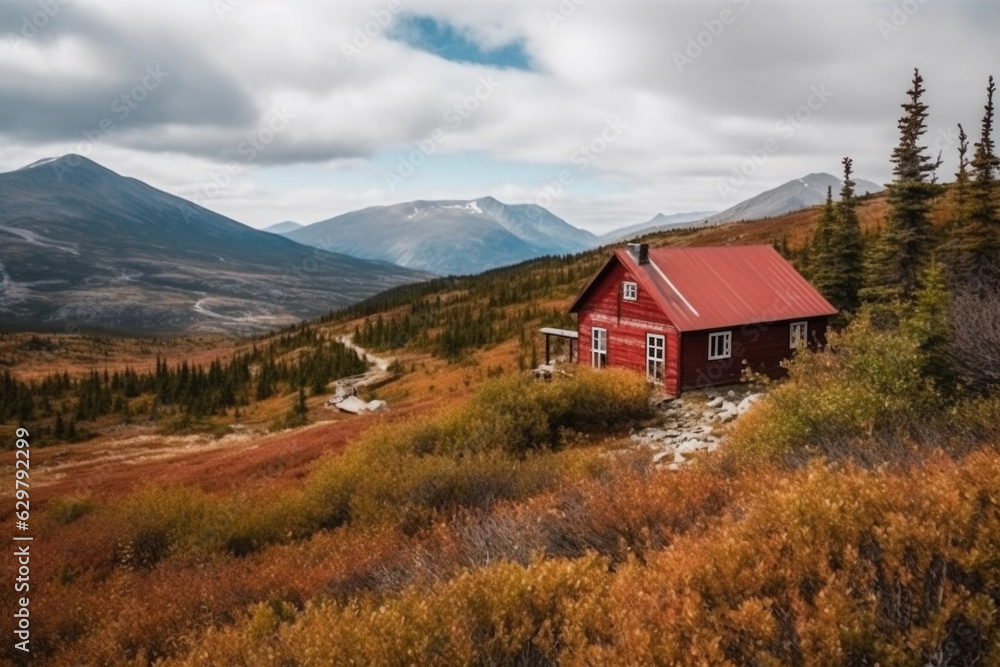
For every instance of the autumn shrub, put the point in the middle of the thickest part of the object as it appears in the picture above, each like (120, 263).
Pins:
(412, 491)
(867, 383)
(628, 513)
(617, 564)
(604, 400)
(243, 525)
(831, 567)
(67, 509)
(504, 614)
(486, 451)
(158, 521)
(825, 565)
(517, 414)
(975, 421)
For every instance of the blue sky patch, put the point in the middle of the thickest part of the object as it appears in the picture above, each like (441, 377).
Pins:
(446, 41)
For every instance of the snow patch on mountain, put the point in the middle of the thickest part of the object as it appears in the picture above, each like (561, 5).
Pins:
(449, 237)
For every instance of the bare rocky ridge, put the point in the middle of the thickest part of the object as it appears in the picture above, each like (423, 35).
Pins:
(84, 248)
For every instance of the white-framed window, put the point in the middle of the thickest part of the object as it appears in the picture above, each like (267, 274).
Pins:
(598, 348)
(798, 335)
(720, 345)
(656, 354)
(630, 291)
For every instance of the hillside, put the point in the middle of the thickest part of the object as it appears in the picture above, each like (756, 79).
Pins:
(489, 519)
(450, 315)
(83, 247)
(447, 237)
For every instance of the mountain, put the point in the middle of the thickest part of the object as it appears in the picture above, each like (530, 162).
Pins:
(792, 196)
(82, 247)
(447, 237)
(658, 223)
(283, 227)
(796, 195)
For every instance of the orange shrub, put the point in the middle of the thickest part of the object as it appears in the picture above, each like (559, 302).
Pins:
(828, 566)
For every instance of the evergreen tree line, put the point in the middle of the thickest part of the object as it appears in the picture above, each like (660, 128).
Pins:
(450, 316)
(450, 330)
(911, 254)
(196, 390)
(531, 281)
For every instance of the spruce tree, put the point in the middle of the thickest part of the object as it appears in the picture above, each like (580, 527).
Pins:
(905, 246)
(848, 260)
(300, 404)
(956, 249)
(962, 190)
(821, 260)
(931, 324)
(837, 261)
(981, 234)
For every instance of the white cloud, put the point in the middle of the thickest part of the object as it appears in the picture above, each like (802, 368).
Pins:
(687, 126)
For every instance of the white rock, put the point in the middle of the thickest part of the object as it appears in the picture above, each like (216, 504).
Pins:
(673, 466)
(353, 405)
(660, 456)
(689, 446)
(747, 402)
(731, 393)
(356, 406)
(715, 402)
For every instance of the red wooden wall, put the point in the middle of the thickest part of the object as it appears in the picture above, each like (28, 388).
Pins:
(627, 323)
(763, 346)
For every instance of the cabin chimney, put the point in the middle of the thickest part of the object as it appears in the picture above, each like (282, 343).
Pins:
(639, 252)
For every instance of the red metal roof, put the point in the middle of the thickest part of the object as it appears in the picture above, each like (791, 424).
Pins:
(723, 286)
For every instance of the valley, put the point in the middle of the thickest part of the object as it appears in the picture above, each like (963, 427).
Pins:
(289, 520)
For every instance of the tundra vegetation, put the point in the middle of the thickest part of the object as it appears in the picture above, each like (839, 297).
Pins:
(851, 517)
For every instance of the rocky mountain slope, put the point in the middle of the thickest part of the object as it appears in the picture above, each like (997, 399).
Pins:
(83, 247)
(448, 237)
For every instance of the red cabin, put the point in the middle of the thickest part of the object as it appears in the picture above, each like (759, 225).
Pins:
(696, 317)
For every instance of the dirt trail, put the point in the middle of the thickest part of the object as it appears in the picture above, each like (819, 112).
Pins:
(378, 374)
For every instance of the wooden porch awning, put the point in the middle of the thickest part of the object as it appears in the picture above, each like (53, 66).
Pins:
(571, 336)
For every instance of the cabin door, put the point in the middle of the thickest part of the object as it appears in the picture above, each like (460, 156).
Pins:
(656, 354)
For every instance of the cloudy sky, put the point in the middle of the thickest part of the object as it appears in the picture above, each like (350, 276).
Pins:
(606, 112)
